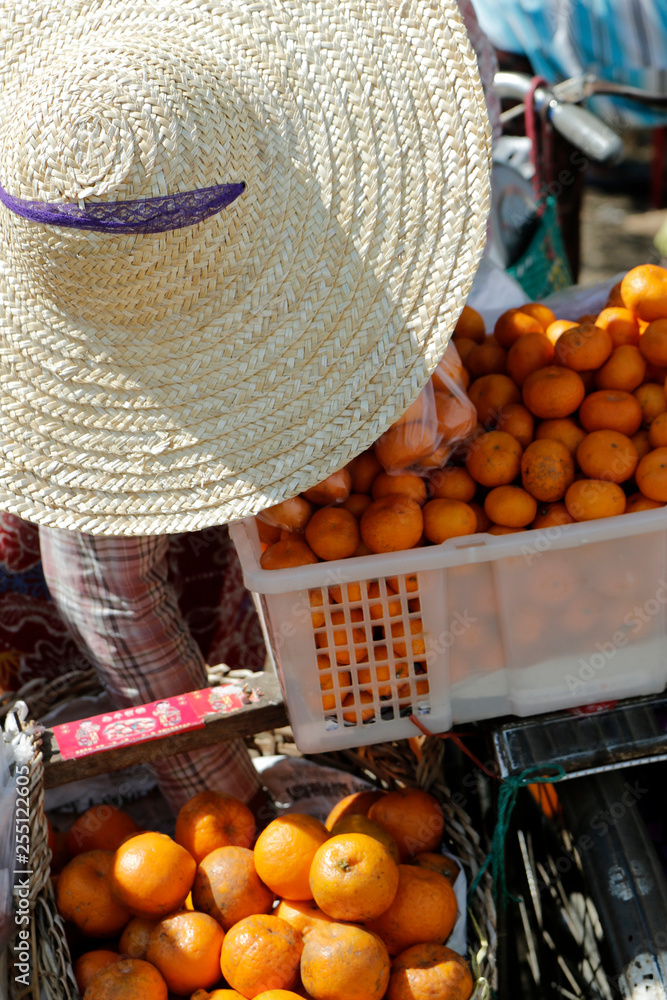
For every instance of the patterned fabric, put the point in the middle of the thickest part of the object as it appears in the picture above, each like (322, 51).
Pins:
(115, 595)
(34, 640)
(623, 41)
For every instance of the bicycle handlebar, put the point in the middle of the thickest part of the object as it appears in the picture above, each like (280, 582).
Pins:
(582, 128)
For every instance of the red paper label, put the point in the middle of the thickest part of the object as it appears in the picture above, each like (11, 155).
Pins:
(599, 706)
(140, 723)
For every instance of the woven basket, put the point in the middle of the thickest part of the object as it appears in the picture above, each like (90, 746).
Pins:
(50, 976)
(390, 765)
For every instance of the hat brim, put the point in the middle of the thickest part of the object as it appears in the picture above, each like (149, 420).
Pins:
(304, 319)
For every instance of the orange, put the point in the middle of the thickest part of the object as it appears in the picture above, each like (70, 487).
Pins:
(261, 953)
(452, 483)
(437, 863)
(344, 680)
(408, 484)
(607, 455)
(656, 373)
(216, 995)
(152, 875)
(341, 640)
(278, 995)
(651, 398)
(544, 316)
(136, 934)
(333, 533)
(400, 649)
(84, 895)
(445, 519)
(620, 324)
(284, 852)
(464, 345)
(516, 420)
(455, 416)
(583, 348)
(651, 475)
(588, 499)
(293, 514)
(490, 393)
(334, 489)
(185, 949)
(353, 877)
(413, 817)
(449, 369)
(351, 594)
(553, 392)
(563, 429)
(527, 355)
(501, 529)
(612, 410)
(127, 979)
(430, 972)
(653, 343)
(228, 888)
(409, 583)
(423, 909)
(657, 432)
(356, 503)
(354, 823)
(614, 297)
(292, 551)
(356, 804)
(417, 410)
(559, 326)
(350, 702)
(487, 358)
(641, 442)
(638, 502)
(363, 470)
(510, 506)
(301, 913)
(392, 523)
(213, 819)
(344, 961)
(268, 533)
(552, 515)
(514, 324)
(494, 459)
(90, 963)
(547, 469)
(644, 291)
(625, 369)
(470, 324)
(100, 828)
(405, 443)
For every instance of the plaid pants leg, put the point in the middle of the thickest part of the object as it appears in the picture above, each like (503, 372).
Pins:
(114, 596)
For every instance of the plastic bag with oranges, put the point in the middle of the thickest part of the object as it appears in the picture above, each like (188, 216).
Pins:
(423, 438)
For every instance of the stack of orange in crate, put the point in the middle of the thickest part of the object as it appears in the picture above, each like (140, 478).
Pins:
(571, 425)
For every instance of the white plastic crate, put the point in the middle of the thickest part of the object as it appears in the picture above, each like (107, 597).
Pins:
(508, 624)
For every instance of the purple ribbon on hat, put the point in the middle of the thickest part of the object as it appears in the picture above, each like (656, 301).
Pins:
(144, 215)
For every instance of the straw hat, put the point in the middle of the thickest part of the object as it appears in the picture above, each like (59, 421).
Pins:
(235, 239)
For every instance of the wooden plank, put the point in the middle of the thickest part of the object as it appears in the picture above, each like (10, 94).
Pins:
(268, 712)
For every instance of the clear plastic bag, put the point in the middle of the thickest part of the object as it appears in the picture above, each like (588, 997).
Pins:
(423, 438)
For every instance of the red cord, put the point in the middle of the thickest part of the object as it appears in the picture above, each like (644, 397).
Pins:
(455, 738)
(540, 140)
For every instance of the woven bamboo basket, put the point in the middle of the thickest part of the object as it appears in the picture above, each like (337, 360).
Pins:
(50, 975)
(389, 765)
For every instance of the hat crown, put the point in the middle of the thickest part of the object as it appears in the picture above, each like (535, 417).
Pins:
(84, 129)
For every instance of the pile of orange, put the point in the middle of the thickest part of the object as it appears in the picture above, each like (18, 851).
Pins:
(571, 425)
(359, 907)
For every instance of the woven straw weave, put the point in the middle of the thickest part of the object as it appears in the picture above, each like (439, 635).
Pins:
(155, 383)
